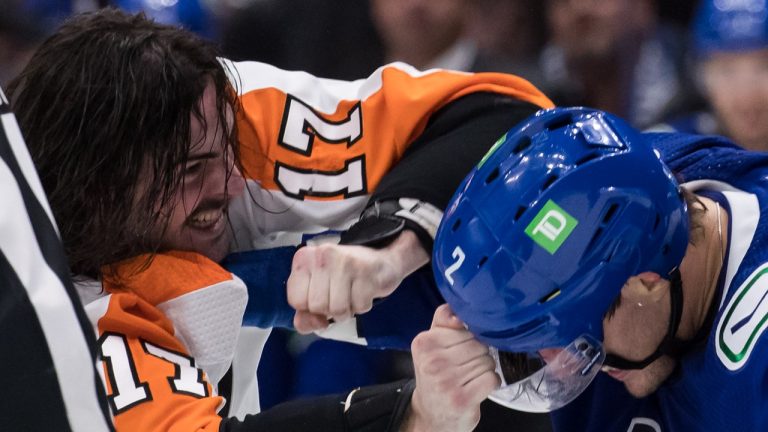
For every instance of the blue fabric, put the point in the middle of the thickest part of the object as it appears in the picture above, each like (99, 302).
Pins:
(394, 321)
(265, 273)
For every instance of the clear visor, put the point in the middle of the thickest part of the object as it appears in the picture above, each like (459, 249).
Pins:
(547, 380)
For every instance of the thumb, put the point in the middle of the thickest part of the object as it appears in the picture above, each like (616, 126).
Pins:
(444, 317)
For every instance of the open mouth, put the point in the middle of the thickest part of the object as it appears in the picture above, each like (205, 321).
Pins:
(207, 217)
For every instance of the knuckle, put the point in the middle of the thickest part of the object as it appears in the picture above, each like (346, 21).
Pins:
(434, 366)
(420, 342)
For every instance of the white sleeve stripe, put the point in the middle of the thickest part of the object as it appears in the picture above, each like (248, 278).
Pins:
(21, 153)
(56, 314)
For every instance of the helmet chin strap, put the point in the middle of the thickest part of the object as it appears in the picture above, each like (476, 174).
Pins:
(670, 345)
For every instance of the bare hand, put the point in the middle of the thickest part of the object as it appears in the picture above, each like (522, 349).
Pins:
(339, 281)
(454, 374)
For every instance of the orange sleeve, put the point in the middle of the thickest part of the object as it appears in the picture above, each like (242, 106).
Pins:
(281, 127)
(153, 382)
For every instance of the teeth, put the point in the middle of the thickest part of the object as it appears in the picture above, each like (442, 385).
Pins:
(206, 217)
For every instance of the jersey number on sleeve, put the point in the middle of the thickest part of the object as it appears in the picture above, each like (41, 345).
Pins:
(127, 390)
(300, 125)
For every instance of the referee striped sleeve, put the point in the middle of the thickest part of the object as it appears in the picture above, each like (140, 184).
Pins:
(47, 346)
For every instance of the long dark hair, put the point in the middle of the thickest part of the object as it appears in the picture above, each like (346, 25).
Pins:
(105, 100)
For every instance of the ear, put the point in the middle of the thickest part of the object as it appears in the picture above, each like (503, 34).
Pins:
(645, 287)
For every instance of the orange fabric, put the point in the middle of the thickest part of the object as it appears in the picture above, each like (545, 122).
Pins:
(180, 272)
(392, 118)
(132, 317)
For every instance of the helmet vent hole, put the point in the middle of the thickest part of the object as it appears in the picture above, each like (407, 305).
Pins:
(594, 239)
(550, 296)
(482, 262)
(492, 176)
(586, 158)
(610, 213)
(523, 144)
(656, 222)
(548, 183)
(520, 211)
(456, 225)
(665, 249)
(560, 121)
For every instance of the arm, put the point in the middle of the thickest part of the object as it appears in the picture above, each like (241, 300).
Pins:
(455, 139)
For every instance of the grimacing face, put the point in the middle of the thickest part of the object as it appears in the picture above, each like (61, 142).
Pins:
(198, 221)
(736, 84)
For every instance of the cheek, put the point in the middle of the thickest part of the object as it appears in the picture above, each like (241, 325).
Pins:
(168, 230)
(633, 331)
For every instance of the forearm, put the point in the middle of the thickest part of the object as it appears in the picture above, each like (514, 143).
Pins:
(407, 253)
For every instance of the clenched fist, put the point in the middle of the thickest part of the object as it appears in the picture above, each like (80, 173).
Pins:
(331, 281)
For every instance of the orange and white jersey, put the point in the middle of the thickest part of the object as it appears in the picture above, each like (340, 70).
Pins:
(167, 334)
(314, 149)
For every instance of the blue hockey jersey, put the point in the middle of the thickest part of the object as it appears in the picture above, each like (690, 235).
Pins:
(722, 386)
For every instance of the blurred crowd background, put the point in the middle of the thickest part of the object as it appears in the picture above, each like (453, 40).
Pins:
(694, 67)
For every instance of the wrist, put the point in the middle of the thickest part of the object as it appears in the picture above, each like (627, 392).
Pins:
(407, 253)
(414, 420)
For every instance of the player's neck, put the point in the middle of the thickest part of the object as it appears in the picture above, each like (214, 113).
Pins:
(701, 268)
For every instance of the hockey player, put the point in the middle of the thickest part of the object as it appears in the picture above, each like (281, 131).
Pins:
(145, 142)
(573, 246)
(731, 51)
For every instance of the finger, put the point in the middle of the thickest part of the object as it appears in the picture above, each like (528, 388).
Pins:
(466, 352)
(297, 286)
(361, 296)
(319, 281)
(339, 303)
(479, 388)
(306, 322)
(444, 317)
(475, 368)
(439, 338)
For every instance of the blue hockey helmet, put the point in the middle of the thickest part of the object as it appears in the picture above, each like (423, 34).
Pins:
(730, 25)
(541, 236)
(193, 15)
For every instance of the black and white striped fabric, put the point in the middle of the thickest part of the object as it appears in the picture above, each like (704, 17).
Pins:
(47, 378)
